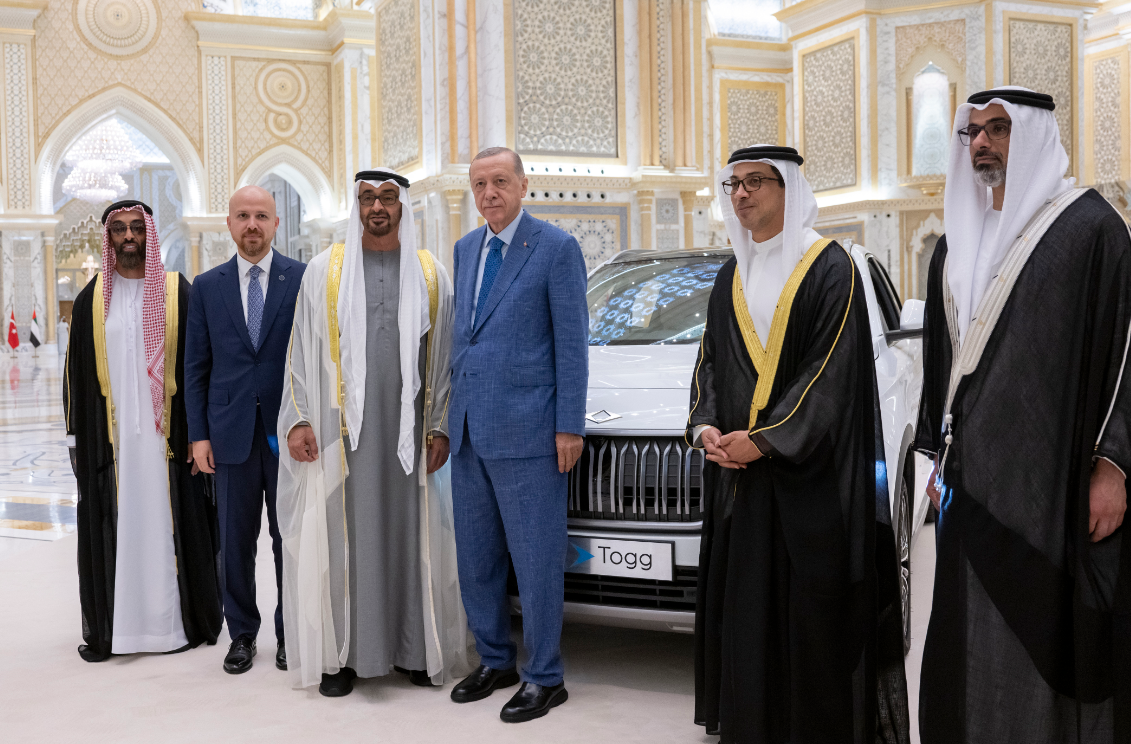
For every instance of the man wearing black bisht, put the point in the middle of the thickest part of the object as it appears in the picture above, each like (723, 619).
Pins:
(1026, 410)
(146, 525)
(798, 625)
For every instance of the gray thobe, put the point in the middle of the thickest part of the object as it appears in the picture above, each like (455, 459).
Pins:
(382, 511)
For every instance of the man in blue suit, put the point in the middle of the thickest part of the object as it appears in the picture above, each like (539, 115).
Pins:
(239, 325)
(517, 418)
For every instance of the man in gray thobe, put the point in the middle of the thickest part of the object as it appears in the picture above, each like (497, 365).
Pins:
(364, 499)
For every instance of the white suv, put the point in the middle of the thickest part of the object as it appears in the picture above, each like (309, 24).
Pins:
(635, 494)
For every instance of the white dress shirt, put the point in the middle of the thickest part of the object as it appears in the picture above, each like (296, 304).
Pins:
(506, 235)
(245, 276)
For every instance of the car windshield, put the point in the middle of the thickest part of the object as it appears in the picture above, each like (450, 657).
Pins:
(657, 301)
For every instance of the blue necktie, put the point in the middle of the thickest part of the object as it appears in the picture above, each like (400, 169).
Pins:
(254, 306)
(490, 271)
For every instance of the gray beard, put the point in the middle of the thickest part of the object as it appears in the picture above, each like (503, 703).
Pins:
(990, 176)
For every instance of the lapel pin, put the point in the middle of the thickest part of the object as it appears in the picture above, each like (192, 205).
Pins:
(281, 277)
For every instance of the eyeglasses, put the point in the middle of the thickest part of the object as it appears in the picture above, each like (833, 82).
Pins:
(119, 228)
(388, 199)
(995, 130)
(750, 183)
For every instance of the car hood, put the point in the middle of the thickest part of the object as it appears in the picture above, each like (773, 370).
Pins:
(647, 389)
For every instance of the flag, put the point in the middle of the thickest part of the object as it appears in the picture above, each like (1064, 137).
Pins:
(33, 336)
(13, 336)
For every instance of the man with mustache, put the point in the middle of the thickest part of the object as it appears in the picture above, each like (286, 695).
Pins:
(1026, 410)
(146, 557)
(238, 327)
(369, 569)
(797, 625)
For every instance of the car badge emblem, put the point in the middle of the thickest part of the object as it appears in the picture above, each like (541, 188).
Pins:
(601, 417)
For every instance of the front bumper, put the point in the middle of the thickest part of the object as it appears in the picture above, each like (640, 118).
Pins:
(667, 606)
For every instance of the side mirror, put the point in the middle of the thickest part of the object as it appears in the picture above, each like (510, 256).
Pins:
(910, 322)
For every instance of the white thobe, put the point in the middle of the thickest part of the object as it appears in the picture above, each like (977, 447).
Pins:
(147, 601)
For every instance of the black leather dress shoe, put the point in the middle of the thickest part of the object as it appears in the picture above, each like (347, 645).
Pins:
(338, 685)
(533, 701)
(281, 657)
(240, 654)
(482, 682)
(418, 677)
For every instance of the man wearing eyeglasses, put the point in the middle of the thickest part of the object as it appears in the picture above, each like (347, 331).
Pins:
(1026, 410)
(793, 577)
(146, 557)
(238, 327)
(366, 509)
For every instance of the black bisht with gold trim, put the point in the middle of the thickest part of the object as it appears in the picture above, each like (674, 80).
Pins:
(195, 530)
(798, 624)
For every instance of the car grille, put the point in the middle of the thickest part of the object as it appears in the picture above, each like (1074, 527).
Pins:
(678, 594)
(643, 479)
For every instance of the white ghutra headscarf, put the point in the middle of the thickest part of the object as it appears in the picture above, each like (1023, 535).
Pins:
(766, 267)
(412, 316)
(1035, 172)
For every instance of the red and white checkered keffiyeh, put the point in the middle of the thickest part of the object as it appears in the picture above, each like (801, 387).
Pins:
(152, 305)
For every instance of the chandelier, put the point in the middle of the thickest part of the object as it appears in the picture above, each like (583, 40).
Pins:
(94, 187)
(99, 158)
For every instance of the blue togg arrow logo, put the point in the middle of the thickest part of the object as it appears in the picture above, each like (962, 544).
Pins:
(582, 556)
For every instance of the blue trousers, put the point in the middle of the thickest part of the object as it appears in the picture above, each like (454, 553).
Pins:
(241, 491)
(516, 506)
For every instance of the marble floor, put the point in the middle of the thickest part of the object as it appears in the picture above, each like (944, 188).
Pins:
(625, 685)
(37, 488)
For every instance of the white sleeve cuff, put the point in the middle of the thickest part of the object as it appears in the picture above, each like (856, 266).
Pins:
(1114, 465)
(70, 440)
(697, 434)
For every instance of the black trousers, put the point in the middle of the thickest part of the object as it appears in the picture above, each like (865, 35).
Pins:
(241, 491)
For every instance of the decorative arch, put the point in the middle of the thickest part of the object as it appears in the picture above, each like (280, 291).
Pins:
(914, 248)
(300, 172)
(138, 112)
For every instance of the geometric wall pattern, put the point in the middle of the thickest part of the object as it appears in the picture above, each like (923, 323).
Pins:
(1040, 58)
(216, 73)
(752, 118)
(1107, 94)
(400, 84)
(828, 89)
(80, 61)
(281, 102)
(948, 35)
(601, 231)
(16, 112)
(565, 77)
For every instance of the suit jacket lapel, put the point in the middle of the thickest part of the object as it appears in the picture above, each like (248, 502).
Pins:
(466, 279)
(276, 288)
(517, 252)
(230, 289)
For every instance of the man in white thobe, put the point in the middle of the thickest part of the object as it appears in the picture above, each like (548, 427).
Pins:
(146, 554)
(369, 573)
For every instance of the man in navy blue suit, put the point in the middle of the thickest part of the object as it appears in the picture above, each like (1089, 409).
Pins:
(239, 324)
(517, 419)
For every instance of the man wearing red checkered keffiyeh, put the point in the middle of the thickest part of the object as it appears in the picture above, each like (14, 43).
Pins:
(136, 256)
(146, 557)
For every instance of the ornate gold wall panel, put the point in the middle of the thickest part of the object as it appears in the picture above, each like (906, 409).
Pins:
(948, 35)
(398, 52)
(216, 98)
(1108, 117)
(148, 48)
(750, 113)
(565, 77)
(276, 102)
(830, 125)
(17, 137)
(1040, 53)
